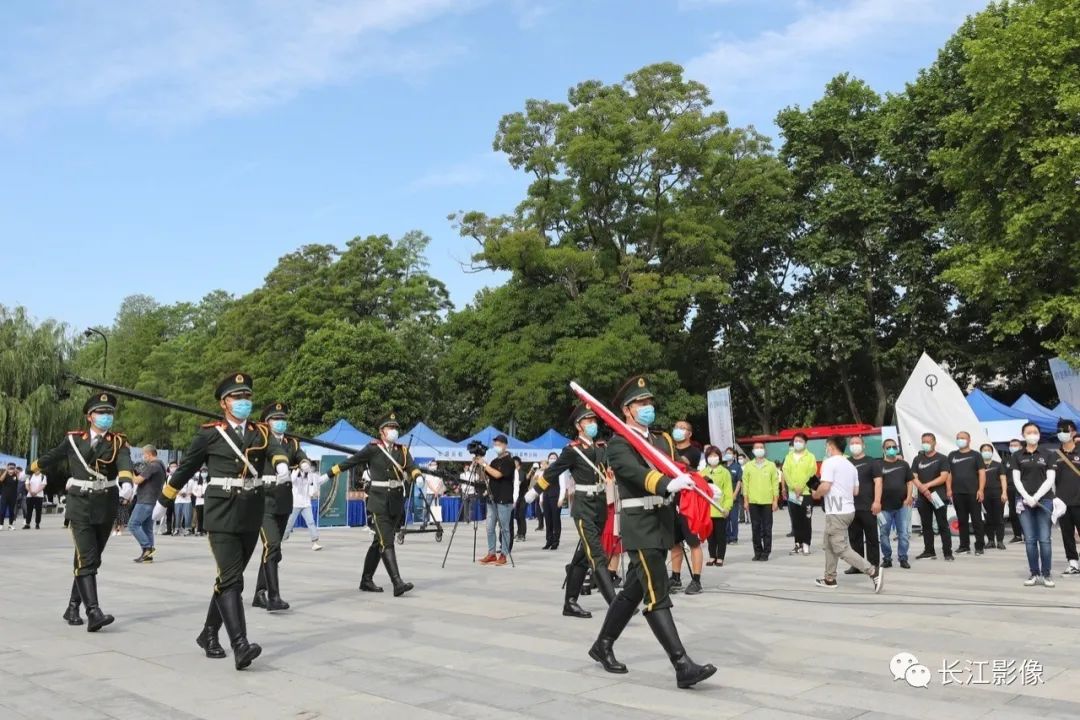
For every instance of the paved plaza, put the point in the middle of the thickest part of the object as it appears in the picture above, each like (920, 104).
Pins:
(490, 642)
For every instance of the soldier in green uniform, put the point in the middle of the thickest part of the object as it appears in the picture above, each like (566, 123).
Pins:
(97, 461)
(647, 519)
(278, 508)
(235, 451)
(586, 459)
(390, 465)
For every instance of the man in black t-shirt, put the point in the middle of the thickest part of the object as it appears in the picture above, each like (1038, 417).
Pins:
(968, 474)
(896, 502)
(1014, 517)
(931, 474)
(1067, 488)
(500, 477)
(867, 505)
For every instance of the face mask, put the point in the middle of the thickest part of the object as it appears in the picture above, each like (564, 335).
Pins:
(678, 434)
(728, 457)
(1014, 448)
(926, 447)
(391, 435)
(551, 460)
(891, 452)
(500, 449)
(961, 443)
(102, 422)
(856, 449)
(1032, 439)
(988, 456)
(645, 415)
(759, 452)
(713, 461)
(279, 426)
(1064, 437)
(590, 430)
(798, 445)
(241, 409)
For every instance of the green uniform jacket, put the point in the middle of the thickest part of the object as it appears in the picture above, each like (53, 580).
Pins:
(381, 500)
(592, 507)
(642, 529)
(279, 497)
(235, 510)
(111, 457)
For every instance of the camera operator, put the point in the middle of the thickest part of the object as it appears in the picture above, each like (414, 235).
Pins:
(500, 499)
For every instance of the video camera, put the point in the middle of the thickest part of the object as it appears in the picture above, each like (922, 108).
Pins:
(477, 448)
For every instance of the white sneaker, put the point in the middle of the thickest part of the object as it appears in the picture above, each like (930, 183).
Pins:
(805, 549)
(316, 546)
(1032, 581)
(1048, 581)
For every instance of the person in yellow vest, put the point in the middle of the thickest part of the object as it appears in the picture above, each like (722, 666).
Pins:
(799, 466)
(761, 495)
(715, 472)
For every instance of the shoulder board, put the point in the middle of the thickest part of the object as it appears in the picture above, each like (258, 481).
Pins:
(601, 443)
(122, 436)
(213, 424)
(575, 443)
(375, 442)
(75, 432)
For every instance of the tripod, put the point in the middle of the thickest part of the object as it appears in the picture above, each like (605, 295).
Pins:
(428, 515)
(473, 482)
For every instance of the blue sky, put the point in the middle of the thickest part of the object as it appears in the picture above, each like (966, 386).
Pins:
(175, 148)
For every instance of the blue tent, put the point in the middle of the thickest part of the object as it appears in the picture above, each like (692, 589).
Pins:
(425, 443)
(19, 462)
(1042, 416)
(550, 440)
(340, 433)
(987, 409)
(524, 450)
(1067, 411)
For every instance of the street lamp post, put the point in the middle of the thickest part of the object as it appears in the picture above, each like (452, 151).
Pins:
(105, 361)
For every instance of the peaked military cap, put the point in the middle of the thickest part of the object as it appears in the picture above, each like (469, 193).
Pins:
(636, 388)
(275, 410)
(99, 401)
(234, 383)
(581, 412)
(389, 419)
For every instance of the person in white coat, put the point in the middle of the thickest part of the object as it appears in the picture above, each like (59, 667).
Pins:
(304, 486)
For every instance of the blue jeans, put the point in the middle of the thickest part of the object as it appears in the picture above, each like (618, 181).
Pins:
(309, 520)
(1036, 524)
(502, 512)
(901, 521)
(183, 516)
(141, 525)
(733, 520)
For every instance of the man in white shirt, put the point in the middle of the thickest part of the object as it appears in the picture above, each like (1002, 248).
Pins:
(35, 498)
(838, 487)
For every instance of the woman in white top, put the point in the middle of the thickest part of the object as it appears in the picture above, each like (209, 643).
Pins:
(183, 509)
(305, 486)
(35, 498)
(198, 491)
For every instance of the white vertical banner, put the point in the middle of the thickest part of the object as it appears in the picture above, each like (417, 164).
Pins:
(721, 427)
(1066, 380)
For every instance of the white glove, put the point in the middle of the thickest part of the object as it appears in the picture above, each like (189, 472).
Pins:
(127, 491)
(305, 466)
(679, 482)
(1030, 501)
(323, 478)
(283, 474)
(159, 512)
(716, 492)
(531, 495)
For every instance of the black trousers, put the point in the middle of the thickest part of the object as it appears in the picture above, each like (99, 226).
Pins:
(552, 518)
(718, 538)
(1068, 524)
(33, 507)
(864, 526)
(519, 518)
(538, 513)
(231, 551)
(273, 527)
(90, 540)
(927, 515)
(761, 527)
(384, 526)
(994, 524)
(170, 517)
(969, 518)
(1014, 517)
(590, 552)
(646, 579)
(800, 520)
(199, 515)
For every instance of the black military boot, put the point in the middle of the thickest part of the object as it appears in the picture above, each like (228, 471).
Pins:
(72, 612)
(371, 564)
(618, 615)
(604, 583)
(687, 672)
(389, 558)
(274, 603)
(95, 619)
(575, 577)
(258, 600)
(208, 638)
(231, 607)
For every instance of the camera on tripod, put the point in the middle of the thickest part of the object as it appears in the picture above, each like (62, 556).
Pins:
(477, 448)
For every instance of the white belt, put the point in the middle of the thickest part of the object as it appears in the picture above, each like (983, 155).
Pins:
(273, 480)
(392, 484)
(237, 483)
(90, 485)
(588, 489)
(648, 503)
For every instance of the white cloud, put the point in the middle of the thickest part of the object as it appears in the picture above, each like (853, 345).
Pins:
(477, 170)
(827, 37)
(182, 61)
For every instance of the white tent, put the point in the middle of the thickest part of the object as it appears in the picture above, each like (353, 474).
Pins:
(932, 402)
